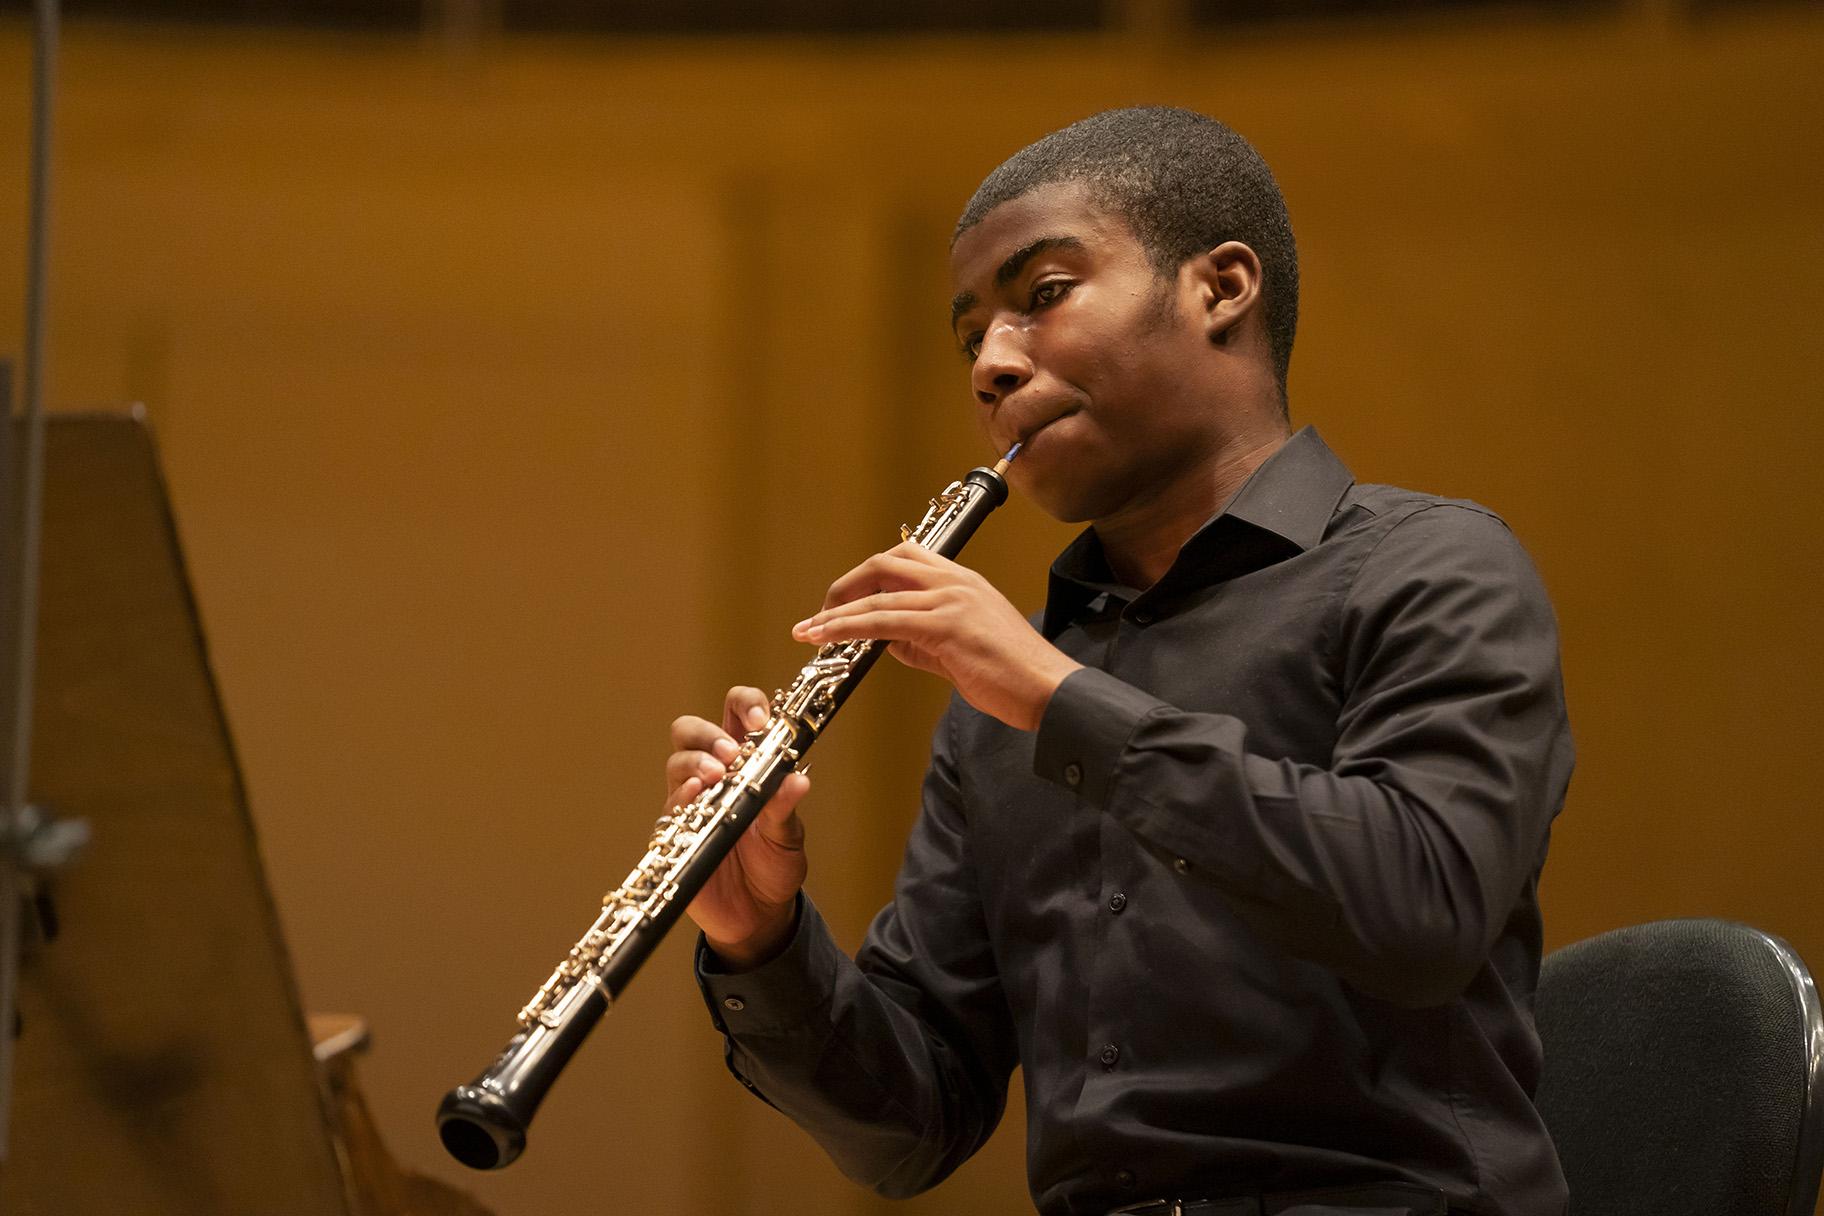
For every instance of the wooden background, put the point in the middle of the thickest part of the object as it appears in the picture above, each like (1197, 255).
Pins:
(516, 399)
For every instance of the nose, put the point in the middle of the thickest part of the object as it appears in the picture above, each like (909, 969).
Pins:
(1001, 366)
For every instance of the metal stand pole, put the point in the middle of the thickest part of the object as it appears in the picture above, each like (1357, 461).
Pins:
(24, 591)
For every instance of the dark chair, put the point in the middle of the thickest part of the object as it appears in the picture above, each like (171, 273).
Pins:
(1684, 1072)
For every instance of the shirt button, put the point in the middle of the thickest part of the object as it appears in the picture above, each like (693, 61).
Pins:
(1117, 901)
(1109, 1055)
(1125, 1179)
(1144, 616)
(734, 1004)
(1182, 866)
(1073, 774)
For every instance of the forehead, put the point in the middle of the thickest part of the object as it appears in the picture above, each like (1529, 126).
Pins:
(1057, 209)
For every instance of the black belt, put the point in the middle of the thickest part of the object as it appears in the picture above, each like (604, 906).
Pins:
(1389, 1199)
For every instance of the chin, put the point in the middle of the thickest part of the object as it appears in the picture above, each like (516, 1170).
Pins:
(1067, 503)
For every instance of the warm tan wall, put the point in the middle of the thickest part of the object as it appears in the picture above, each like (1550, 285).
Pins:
(513, 405)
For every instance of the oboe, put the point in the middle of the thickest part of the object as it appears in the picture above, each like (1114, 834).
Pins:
(483, 1124)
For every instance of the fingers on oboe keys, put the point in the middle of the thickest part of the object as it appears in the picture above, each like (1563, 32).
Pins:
(699, 749)
(702, 750)
(745, 709)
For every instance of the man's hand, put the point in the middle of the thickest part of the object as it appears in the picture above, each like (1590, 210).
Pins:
(745, 909)
(946, 619)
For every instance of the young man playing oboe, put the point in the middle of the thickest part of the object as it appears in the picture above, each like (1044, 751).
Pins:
(1236, 850)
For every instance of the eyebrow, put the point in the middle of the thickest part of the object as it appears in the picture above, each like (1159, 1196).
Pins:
(1005, 274)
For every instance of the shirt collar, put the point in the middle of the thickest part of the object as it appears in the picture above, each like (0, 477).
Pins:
(1280, 511)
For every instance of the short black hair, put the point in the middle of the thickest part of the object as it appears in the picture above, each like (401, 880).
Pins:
(1184, 183)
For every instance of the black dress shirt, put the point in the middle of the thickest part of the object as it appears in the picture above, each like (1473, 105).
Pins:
(1255, 908)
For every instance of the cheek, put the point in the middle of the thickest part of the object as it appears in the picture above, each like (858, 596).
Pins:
(984, 428)
(1120, 349)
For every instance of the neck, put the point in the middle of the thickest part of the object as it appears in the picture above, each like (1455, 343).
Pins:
(1142, 540)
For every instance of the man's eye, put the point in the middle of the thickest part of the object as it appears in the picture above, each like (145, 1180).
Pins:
(1050, 292)
(972, 347)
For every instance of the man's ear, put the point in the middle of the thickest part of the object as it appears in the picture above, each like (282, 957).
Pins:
(1227, 281)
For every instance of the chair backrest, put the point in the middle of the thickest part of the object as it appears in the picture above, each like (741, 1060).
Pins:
(1684, 1071)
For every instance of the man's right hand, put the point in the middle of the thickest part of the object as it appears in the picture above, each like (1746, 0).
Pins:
(746, 908)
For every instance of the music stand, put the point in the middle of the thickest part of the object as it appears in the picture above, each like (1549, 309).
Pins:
(164, 1066)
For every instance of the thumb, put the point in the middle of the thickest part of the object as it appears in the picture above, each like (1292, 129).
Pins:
(779, 821)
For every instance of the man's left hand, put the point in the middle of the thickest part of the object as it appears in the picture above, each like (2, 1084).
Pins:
(946, 619)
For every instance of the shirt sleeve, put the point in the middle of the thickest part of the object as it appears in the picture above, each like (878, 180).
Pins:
(897, 1062)
(1398, 864)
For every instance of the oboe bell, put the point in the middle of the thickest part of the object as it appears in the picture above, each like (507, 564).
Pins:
(483, 1124)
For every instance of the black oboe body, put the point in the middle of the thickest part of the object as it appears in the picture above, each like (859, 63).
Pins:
(483, 1124)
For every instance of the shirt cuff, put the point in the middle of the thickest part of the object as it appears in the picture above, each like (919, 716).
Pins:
(776, 997)
(1085, 729)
